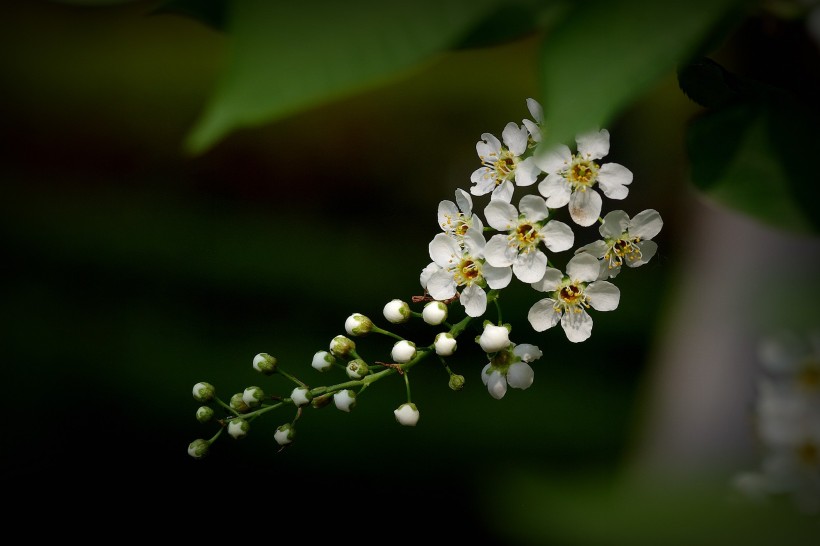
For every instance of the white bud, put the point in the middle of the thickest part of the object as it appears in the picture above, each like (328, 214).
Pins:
(301, 396)
(342, 346)
(494, 338)
(284, 434)
(264, 363)
(203, 392)
(403, 351)
(445, 344)
(322, 361)
(238, 428)
(397, 311)
(435, 312)
(345, 400)
(358, 325)
(356, 369)
(252, 396)
(407, 414)
(204, 414)
(198, 448)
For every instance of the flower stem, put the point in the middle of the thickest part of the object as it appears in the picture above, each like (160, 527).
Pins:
(226, 406)
(407, 384)
(386, 333)
(286, 374)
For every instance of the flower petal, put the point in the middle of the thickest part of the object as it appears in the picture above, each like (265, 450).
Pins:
(520, 375)
(474, 300)
(577, 326)
(603, 295)
(558, 236)
(550, 282)
(615, 224)
(498, 251)
(428, 272)
(585, 207)
(648, 249)
(526, 172)
(503, 192)
(583, 267)
(441, 285)
(496, 277)
(543, 316)
(597, 248)
(533, 128)
(447, 215)
(485, 373)
(464, 202)
(533, 207)
(484, 182)
(515, 138)
(488, 147)
(443, 249)
(530, 267)
(556, 189)
(646, 224)
(500, 215)
(593, 145)
(536, 111)
(527, 352)
(497, 385)
(474, 241)
(613, 179)
(555, 160)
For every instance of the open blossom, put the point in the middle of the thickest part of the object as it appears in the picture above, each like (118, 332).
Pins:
(534, 126)
(625, 241)
(510, 367)
(571, 178)
(570, 296)
(502, 163)
(454, 267)
(519, 246)
(456, 218)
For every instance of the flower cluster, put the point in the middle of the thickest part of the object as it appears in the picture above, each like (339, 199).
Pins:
(472, 261)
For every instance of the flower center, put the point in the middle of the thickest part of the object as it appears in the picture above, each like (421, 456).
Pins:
(582, 174)
(503, 166)
(525, 237)
(467, 272)
(625, 248)
(571, 293)
(572, 298)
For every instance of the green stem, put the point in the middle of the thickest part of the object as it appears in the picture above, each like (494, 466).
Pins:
(226, 406)
(498, 308)
(407, 384)
(215, 436)
(386, 333)
(286, 374)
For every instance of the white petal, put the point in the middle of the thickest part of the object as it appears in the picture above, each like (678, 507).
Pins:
(597, 249)
(464, 202)
(577, 326)
(443, 249)
(583, 267)
(488, 147)
(613, 178)
(530, 268)
(542, 315)
(474, 241)
(515, 138)
(527, 352)
(533, 207)
(481, 175)
(526, 172)
(447, 215)
(615, 224)
(603, 295)
(497, 385)
(503, 192)
(500, 215)
(474, 300)
(533, 128)
(550, 281)
(498, 251)
(556, 189)
(428, 272)
(555, 160)
(584, 207)
(593, 145)
(646, 224)
(441, 285)
(484, 182)
(496, 277)
(520, 375)
(558, 236)
(485, 375)
(648, 249)
(536, 111)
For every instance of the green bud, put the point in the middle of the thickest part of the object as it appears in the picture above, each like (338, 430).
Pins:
(238, 428)
(198, 448)
(238, 403)
(456, 382)
(358, 325)
(264, 363)
(204, 392)
(356, 369)
(342, 346)
(321, 401)
(253, 396)
(204, 414)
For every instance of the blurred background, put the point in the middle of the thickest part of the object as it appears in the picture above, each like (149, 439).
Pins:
(134, 268)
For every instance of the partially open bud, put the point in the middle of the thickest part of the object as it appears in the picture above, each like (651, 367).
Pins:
(456, 382)
(407, 414)
(198, 448)
(345, 400)
(301, 396)
(356, 369)
(434, 313)
(342, 346)
(204, 414)
(403, 351)
(445, 344)
(284, 434)
(253, 396)
(494, 338)
(204, 392)
(264, 363)
(323, 361)
(321, 401)
(397, 311)
(238, 428)
(238, 403)
(358, 325)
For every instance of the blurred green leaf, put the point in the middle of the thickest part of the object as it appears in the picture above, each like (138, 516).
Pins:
(209, 12)
(707, 83)
(513, 20)
(606, 54)
(285, 57)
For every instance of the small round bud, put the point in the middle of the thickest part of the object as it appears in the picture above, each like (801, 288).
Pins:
(358, 325)
(494, 338)
(445, 344)
(301, 396)
(397, 311)
(253, 396)
(284, 434)
(321, 401)
(456, 382)
(204, 414)
(356, 369)
(204, 392)
(407, 414)
(434, 313)
(403, 351)
(198, 448)
(264, 363)
(323, 361)
(238, 428)
(345, 400)
(342, 346)
(238, 403)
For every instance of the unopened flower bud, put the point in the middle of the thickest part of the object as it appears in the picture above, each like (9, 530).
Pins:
(407, 414)
(253, 396)
(284, 434)
(238, 403)
(321, 401)
(204, 392)
(397, 311)
(356, 369)
(445, 344)
(300, 396)
(342, 346)
(358, 325)
(323, 361)
(198, 448)
(403, 351)
(345, 400)
(456, 382)
(238, 428)
(264, 363)
(434, 313)
(494, 338)
(204, 414)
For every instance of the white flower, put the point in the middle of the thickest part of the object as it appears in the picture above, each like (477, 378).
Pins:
(571, 296)
(403, 351)
(397, 311)
(434, 313)
(494, 338)
(252, 396)
(571, 178)
(322, 361)
(407, 414)
(456, 218)
(358, 325)
(238, 428)
(284, 434)
(534, 126)
(519, 247)
(300, 396)
(625, 241)
(456, 266)
(502, 164)
(510, 367)
(445, 344)
(345, 400)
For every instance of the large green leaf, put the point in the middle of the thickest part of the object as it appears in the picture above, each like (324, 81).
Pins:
(287, 56)
(608, 53)
(207, 12)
